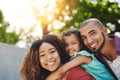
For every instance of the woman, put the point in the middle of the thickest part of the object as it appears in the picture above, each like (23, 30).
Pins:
(46, 56)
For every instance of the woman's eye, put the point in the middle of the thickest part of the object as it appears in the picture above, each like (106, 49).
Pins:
(52, 51)
(42, 55)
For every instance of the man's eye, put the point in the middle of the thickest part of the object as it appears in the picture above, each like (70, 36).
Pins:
(83, 38)
(93, 33)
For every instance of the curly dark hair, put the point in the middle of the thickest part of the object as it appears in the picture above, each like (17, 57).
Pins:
(31, 68)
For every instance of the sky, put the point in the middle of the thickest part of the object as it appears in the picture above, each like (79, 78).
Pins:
(19, 14)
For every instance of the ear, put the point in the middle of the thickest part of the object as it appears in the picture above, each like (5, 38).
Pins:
(104, 30)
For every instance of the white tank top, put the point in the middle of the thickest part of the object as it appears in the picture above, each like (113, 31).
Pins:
(115, 66)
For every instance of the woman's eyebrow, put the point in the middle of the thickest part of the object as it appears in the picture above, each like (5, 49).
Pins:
(51, 48)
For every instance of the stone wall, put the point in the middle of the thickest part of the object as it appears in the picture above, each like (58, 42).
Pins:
(10, 61)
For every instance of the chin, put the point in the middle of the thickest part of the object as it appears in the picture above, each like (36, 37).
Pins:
(52, 70)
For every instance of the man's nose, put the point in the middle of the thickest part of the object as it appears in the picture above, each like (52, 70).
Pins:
(89, 40)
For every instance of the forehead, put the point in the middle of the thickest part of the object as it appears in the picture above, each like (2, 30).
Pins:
(45, 46)
(71, 37)
(88, 28)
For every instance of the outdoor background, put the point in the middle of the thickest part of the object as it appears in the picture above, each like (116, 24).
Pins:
(24, 21)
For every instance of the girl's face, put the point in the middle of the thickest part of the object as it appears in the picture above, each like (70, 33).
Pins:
(49, 57)
(72, 44)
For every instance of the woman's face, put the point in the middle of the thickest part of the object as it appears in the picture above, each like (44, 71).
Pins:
(49, 57)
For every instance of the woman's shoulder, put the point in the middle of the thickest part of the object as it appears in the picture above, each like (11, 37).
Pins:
(78, 73)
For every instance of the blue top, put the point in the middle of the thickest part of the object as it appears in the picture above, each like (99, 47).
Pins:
(95, 68)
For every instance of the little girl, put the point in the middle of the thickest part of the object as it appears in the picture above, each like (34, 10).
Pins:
(74, 47)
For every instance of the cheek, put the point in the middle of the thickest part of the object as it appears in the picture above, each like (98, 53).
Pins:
(42, 61)
(66, 48)
(85, 42)
(99, 37)
(57, 57)
(78, 47)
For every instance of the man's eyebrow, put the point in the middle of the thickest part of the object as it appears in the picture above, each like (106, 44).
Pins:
(91, 31)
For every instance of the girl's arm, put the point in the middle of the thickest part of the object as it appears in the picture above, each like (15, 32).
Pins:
(80, 59)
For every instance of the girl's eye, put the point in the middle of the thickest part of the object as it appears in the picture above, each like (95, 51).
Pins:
(73, 43)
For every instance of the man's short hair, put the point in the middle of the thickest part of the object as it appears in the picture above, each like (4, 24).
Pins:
(92, 20)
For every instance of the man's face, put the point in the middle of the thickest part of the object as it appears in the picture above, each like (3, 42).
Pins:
(92, 36)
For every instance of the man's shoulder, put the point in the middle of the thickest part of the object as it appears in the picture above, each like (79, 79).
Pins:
(117, 42)
(115, 36)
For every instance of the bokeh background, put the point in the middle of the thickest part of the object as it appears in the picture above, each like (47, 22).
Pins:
(24, 21)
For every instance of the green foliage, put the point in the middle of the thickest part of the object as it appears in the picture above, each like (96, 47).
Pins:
(105, 11)
(10, 38)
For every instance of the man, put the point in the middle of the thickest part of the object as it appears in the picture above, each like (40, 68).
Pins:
(106, 49)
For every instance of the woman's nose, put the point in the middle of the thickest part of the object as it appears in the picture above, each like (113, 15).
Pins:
(49, 57)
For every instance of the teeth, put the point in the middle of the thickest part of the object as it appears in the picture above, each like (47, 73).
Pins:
(71, 51)
(51, 63)
(93, 45)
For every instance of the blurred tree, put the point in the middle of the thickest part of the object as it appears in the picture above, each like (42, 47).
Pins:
(106, 11)
(7, 37)
(46, 14)
(68, 14)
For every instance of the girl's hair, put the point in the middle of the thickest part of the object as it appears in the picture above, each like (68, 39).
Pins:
(76, 33)
(31, 68)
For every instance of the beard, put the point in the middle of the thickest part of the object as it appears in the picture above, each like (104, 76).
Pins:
(100, 48)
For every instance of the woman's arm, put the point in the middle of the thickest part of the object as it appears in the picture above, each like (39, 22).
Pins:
(78, 73)
(67, 66)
